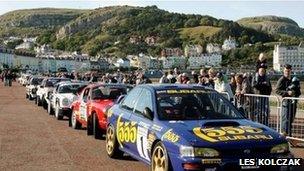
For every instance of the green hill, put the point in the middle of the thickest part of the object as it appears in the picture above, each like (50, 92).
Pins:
(273, 25)
(35, 21)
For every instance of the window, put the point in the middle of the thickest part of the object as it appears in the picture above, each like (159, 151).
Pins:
(129, 101)
(144, 101)
(85, 94)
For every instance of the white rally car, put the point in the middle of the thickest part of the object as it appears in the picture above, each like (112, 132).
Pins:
(45, 88)
(62, 97)
(32, 86)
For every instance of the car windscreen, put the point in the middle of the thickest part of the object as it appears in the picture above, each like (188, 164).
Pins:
(36, 81)
(187, 104)
(73, 88)
(52, 82)
(108, 92)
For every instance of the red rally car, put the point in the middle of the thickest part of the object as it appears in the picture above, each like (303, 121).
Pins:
(90, 109)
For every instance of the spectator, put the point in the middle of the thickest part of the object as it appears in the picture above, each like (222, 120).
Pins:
(185, 79)
(164, 78)
(222, 86)
(262, 62)
(211, 75)
(8, 78)
(233, 84)
(204, 81)
(195, 77)
(262, 86)
(171, 77)
(288, 87)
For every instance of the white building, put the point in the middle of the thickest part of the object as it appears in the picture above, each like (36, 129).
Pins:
(212, 59)
(25, 45)
(293, 55)
(174, 62)
(229, 44)
(213, 48)
(193, 50)
(122, 62)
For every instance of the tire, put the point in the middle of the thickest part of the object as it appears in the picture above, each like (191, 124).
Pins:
(30, 97)
(26, 96)
(90, 125)
(58, 112)
(160, 159)
(74, 123)
(44, 104)
(112, 146)
(96, 129)
(36, 100)
(39, 103)
(50, 110)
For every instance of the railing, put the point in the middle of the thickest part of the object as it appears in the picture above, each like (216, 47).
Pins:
(292, 118)
(260, 108)
(285, 115)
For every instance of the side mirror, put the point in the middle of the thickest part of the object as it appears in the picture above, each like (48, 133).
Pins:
(148, 113)
(119, 99)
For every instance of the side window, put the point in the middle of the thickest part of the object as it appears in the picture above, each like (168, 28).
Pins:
(143, 101)
(85, 95)
(129, 101)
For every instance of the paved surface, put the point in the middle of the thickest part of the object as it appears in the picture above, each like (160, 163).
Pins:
(30, 139)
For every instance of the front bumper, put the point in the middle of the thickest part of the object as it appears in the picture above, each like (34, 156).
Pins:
(220, 164)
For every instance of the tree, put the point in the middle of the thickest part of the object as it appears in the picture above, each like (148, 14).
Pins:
(192, 23)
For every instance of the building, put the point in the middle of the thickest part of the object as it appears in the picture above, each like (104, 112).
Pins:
(213, 48)
(193, 50)
(122, 62)
(151, 40)
(293, 55)
(25, 45)
(229, 44)
(212, 59)
(168, 52)
(43, 49)
(174, 62)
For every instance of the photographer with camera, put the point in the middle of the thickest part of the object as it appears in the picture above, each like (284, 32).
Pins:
(288, 87)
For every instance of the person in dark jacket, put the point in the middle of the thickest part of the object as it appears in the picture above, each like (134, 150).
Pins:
(262, 61)
(262, 86)
(286, 88)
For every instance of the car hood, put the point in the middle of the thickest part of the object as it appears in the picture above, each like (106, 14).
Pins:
(69, 96)
(225, 133)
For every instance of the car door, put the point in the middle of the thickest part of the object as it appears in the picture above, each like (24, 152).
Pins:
(83, 105)
(126, 129)
(144, 123)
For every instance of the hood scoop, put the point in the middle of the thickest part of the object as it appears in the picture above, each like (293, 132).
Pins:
(220, 123)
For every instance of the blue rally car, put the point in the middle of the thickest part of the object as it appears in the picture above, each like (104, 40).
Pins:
(187, 127)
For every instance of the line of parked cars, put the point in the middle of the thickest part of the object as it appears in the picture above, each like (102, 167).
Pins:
(168, 126)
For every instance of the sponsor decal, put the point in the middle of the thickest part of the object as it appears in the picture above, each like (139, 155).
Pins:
(180, 91)
(109, 113)
(170, 136)
(156, 127)
(231, 133)
(126, 132)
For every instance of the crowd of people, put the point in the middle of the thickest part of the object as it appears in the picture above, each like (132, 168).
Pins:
(235, 86)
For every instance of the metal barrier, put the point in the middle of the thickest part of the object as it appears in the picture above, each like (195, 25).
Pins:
(292, 118)
(260, 108)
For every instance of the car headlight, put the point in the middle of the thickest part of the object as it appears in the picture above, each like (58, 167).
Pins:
(281, 148)
(187, 151)
(65, 102)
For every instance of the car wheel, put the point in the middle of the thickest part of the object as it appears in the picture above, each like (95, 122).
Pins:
(58, 112)
(50, 110)
(160, 160)
(44, 103)
(26, 96)
(112, 145)
(89, 125)
(39, 103)
(30, 97)
(36, 100)
(74, 122)
(96, 129)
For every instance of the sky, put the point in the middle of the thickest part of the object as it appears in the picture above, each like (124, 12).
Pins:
(231, 10)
